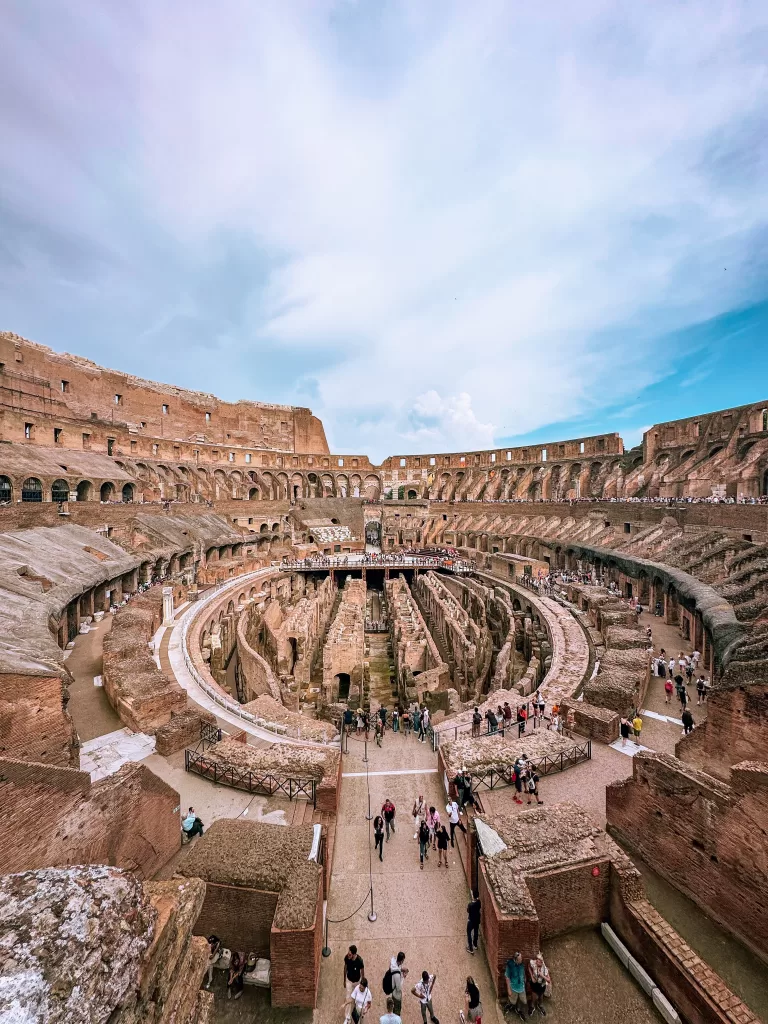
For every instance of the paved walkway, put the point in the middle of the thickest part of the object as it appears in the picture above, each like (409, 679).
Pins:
(91, 712)
(422, 913)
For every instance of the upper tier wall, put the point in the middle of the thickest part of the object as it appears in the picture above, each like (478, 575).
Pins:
(73, 394)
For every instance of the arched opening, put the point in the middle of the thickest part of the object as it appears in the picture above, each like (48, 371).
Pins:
(127, 492)
(84, 490)
(6, 489)
(411, 495)
(107, 492)
(253, 494)
(60, 491)
(343, 681)
(263, 528)
(31, 489)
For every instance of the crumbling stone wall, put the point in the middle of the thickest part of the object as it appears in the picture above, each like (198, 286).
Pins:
(54, 816)
(140, 693)
(694, 830)
(736, 729)
(344, 650)
(418, 665)
(34, 723)
(68, 923)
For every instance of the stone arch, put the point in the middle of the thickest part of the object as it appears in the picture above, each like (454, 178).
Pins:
(411, 494)
(84, 490)
(6, 490)
(32, 489)
(328, 490)
(297, 487)
(270, 487)
(342, 485)
(59, 490)
(555, 482)
(715, 451)
(574, 479)
(444, 488)
(127, 492)
(355, 485)
(372, 487)
(282, 486)
(107, 491)
(254, 494)
(313, 485)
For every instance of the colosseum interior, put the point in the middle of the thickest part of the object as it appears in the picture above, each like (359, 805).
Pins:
(203, 607)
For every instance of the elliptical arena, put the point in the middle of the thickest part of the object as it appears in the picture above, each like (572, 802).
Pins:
(193, 593)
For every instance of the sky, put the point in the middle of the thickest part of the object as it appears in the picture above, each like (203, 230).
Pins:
(442, 226)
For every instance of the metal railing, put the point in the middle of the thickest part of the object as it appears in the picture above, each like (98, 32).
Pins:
(455, 565)
(547, 764)
(444, 733)
(250, 781)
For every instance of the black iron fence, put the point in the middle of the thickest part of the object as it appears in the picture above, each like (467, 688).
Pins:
(252, 782)
(502, 775)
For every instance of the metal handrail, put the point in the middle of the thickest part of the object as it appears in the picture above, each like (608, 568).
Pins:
(242, 778)
(546, 764)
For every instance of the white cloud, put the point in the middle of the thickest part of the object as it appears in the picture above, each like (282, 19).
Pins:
(487, 211)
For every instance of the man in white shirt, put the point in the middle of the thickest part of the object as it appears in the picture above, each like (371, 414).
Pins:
(453, 818)
(423, 991)
(390, 1017)
(360, 1001)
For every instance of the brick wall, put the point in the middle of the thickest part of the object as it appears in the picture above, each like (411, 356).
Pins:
(693, 830)
(598, 723)
(693, 988)
(242, 918)
(503, 935)
(33, 724)
(296, 956)
(571, 898)
(735, 730)
(55, 816)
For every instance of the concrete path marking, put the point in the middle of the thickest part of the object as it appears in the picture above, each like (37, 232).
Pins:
(395, 771)
(663, 718)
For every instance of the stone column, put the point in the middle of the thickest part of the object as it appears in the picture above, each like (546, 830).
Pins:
(167, 606)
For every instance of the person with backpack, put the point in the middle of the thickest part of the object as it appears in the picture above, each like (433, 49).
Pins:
(393, 981)
(424, 839)
(388, 812)
(532, 786)
(477, 720)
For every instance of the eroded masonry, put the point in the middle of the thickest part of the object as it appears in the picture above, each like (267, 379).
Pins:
(195, 596)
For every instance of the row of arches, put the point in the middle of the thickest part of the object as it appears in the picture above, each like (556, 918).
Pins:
(32, 489)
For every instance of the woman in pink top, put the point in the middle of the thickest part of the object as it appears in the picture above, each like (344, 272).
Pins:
(433, 824)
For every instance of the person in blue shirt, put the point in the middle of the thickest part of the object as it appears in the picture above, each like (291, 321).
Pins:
(514, 975)
(191, 825)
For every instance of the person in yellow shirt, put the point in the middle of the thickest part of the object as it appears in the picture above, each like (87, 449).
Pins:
(637, 725)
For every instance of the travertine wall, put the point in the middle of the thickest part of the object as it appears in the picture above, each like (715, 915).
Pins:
(694, 830)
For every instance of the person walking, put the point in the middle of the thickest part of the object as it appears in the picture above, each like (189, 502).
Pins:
(474, 910)
(688, 722)
(473, 1008)
(360, 999)
(668, 688)
(395, 720)
(378, 835)
(637, 725)
(383, 718)
(378, 732)
(532, 787)
(419, 813)
(416, 720)
(442, 845)
(388, 813)
(353, 969)
(407, 723)
(423, 990)
(433, 823)
(684, 698)
(397, 973)
(454, 821)
(624, 729)
(423, 844)
(424, 724)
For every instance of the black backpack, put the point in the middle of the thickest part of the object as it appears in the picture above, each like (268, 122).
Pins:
(387, 983)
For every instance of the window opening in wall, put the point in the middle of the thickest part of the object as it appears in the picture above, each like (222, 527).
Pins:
(110, 445)
(165, 410)
(493, 456)
(31, 490)
(86, 440)
(57, 434)
(207, 417)
(543, 454)
(28, 430)
(402, 462)
(65, 386)
(133, 445)
(432, 461)
(581, 447)
(601, 444)
(155, 449)
(627, 527)
(118, 399)
(746, 536)
(231, 456)
(248, 457)
(283, 427)
(462, 459)
(340, 462)
(60, 491)
(509, 456)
